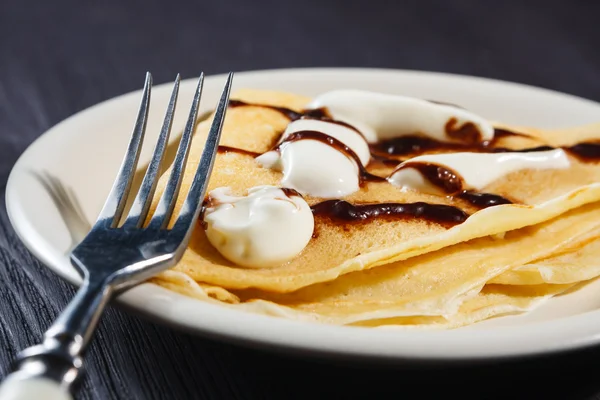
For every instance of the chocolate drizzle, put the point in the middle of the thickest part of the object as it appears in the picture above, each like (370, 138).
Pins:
(378, 159)
(323, 114)
(412, 144)
(527, 150)
(501, 133)
(467, 132)
(483, 200)
(289, 192)
(343, 211)
(363, 174)
(417, 144)
(451, 183)
(447, 180)
(586, 151)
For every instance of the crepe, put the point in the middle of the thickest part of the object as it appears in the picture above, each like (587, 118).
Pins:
(341, 249)
(577, 262)
(491, 301)
(436, 284)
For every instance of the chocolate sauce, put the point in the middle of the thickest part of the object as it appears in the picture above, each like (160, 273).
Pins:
(385, 161)
(289, 192)
(321, 113)
(363, 174)
(444, 178)
(412, 144)
(586, 151)
(341, 210)
(203, 207)
(483, 200)
(467, 132)
(501, 133)
(227, 149)
(453, 185)
(527, 150)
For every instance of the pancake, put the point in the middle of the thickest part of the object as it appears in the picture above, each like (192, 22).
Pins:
(338, 249)
(434, 284)
(492, 301)
(579, 261)
(183, 284)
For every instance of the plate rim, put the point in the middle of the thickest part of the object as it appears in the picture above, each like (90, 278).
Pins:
(354, 344)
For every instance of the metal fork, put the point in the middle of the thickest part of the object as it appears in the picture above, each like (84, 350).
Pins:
(113, 256)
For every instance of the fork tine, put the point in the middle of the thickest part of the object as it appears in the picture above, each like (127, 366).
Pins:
(141, 204)
(163, 211)
(115, 202)
(191, 207)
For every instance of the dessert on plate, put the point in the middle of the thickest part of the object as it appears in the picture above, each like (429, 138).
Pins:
(381, 210)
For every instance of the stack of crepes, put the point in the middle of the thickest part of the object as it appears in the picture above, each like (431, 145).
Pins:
(405, 273)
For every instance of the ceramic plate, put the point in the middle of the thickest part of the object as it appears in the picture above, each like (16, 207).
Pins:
(76, 161)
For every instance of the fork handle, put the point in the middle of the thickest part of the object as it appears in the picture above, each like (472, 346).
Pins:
(55, 365)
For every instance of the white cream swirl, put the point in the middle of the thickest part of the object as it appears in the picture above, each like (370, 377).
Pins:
(316, 168)
(477, 170)
(263, 229)
(348, 136)
(382, 116)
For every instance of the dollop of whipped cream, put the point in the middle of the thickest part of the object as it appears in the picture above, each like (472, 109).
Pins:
(266, 228)
(381, 116)
(477, 170)
(316, 168)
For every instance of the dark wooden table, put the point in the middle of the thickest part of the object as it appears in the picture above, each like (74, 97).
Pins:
(60, 57)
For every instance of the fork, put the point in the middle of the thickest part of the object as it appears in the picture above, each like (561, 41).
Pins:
(116, 256)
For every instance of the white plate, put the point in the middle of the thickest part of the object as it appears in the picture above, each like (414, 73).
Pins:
(84, 152)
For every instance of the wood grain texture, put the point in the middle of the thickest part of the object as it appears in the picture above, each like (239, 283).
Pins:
(60, 57)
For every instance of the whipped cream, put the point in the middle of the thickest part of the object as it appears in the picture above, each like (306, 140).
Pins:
(263, 229)
(477, 170)
(350, 137)
(316, 168)
(382, 116)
